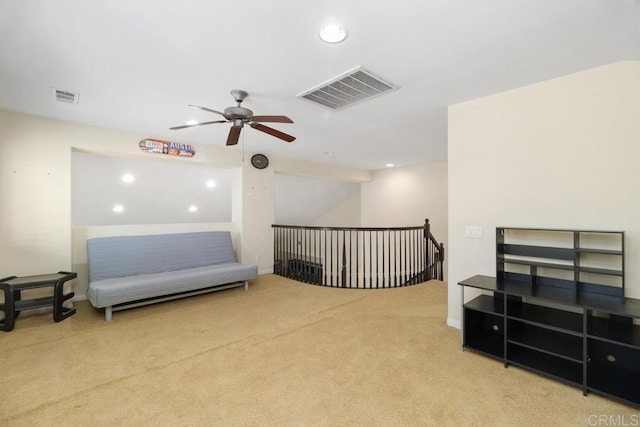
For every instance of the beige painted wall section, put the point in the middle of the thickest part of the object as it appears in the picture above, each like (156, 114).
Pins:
(559, 154)
(258, 200)
(35, 197)
(406, 196)
(347, 214)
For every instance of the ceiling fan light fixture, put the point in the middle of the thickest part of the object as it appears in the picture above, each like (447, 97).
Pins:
(333, 33)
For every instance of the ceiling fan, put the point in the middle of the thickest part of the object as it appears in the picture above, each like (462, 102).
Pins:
(240, 116)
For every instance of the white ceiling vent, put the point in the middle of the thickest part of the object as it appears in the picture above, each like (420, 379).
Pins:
(347, 89)
(65, 96)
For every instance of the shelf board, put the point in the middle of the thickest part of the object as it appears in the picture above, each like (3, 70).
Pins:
(541, 350)
(559, 320)
(556, 266)
(605, 271)
(615, 332)
(599, 251)
(598, 302)
(560, 230)
(486, 304)
(486, 283)
(549, 293)
(611, 304)
(543, 363)
(567, 254)
(545, 340)
(28, 304)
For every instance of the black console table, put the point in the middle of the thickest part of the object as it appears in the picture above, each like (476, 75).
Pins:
(576, 327)
(13, 286)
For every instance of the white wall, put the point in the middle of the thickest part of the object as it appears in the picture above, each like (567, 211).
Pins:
(559, 154)
(302, 200)
(346, 214)
(406, 196)
(161, 192)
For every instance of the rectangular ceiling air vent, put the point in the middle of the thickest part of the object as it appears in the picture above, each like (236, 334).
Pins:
(347, 89)
(65, 96)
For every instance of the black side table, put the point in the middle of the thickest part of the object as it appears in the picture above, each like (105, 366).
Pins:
(13, 303)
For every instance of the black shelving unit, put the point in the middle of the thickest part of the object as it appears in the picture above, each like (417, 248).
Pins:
(577, 260)
(566, 316)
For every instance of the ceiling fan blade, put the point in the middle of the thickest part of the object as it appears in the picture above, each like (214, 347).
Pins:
(234, 135)
(206, 109)
(272, 119)
(197, 124)
(273, 132)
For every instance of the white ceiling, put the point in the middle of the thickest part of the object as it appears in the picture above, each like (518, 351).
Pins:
(137, 64)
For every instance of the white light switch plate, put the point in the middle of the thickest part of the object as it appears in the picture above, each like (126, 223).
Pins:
(474, 231)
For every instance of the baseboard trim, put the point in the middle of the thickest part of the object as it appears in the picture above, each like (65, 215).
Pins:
(79, 297)
(454, 323)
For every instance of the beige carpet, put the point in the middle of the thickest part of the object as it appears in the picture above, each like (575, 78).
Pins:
(284, 353)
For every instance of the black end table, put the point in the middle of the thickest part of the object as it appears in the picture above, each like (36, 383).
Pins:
(13, 303)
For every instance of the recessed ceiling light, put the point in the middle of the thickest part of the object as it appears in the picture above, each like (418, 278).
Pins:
(191, 122)
(333, 33)
(389, 165)
(193, 208)
(328, 153)
(118, 208)
(128, 178)
(211, 183)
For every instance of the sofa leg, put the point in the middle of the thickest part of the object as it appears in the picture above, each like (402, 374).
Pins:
(246, 285)
(108, 314)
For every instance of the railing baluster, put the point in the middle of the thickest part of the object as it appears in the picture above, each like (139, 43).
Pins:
(414, 250)
(357, 258)
(370, 260)
(325, 257)
(364, 259)
(388, 255)
(406, 257)
(395, 258)
(414, 260)
(383, 261)
(350, 269)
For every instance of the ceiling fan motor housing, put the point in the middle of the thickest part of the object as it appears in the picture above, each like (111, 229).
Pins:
(232, 113)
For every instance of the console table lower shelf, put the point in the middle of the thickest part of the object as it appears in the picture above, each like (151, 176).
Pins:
(591, 342)
(13, 303)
